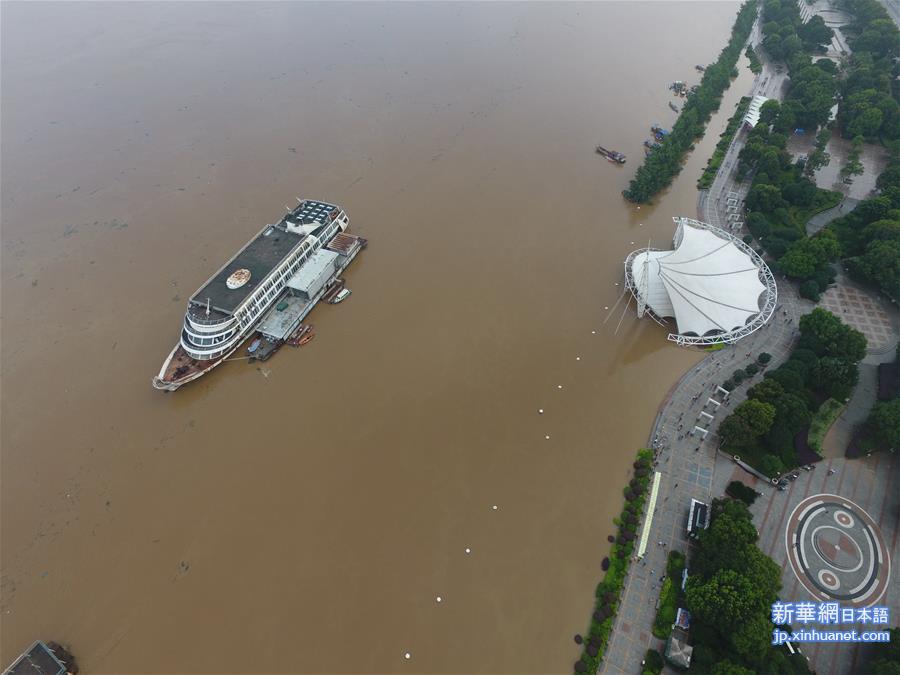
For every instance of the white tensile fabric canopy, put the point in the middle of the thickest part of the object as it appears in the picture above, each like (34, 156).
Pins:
(707, 283)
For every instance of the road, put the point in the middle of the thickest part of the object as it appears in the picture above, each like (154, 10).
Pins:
(893, 8)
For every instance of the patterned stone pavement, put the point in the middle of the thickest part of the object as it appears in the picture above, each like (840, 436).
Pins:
(867, 489)
(865, 313)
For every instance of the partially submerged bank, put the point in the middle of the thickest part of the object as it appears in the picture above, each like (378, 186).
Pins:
(661, 166)
(616, 566)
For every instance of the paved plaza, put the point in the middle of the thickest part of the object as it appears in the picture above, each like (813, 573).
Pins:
(865, 313)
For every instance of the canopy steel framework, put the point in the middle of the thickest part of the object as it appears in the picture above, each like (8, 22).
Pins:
(716, 287)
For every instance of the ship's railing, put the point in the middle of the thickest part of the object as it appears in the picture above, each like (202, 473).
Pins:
(202, 319)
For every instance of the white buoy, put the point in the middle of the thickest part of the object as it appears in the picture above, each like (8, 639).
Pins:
(593, 332)
(617, 283)
(632, 243)
(407, 656)
(439, 599)
(494, 507)
(540, 411)
(578, 358)
(559, 386)
(606, 307)
(468, 551)
(547, 437)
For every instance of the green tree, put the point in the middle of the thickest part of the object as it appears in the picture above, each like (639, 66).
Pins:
(818, 157)
(815, 33)
(884, 422)
(728, 668)
(886, 656)
(853, 167)
(769, 110)
(835, 376)
(807, 256)
(867, 123)
(826, 335)
(724, 545)
(726, 600)
(765, 198)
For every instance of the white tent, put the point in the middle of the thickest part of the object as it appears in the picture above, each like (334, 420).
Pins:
(708, 283)
(751, 117)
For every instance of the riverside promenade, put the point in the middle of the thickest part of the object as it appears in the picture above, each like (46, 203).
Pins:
(687, 463)
(690, 467)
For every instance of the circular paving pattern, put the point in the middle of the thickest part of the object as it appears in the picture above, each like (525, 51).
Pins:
(837, 551)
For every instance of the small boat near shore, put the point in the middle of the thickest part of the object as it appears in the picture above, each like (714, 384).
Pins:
(298, 335)
(613, 156)
(341, 296)
(673, 106)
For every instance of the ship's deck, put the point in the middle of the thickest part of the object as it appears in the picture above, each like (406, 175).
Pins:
(260, 256)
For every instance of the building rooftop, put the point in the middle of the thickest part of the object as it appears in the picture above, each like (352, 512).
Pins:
(321, 261)
(38, 660)
(311, 211)
(279, 324)
(751, 117)
(259, 257)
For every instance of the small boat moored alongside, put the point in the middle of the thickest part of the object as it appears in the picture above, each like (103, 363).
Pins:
(341, 296)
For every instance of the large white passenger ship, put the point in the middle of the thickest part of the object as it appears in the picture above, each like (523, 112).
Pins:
(227, 308)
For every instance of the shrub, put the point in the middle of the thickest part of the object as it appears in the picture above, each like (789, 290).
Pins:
(740, 491)
(737, 376)
(668, 607)
(751, 370)
(653, 662)
(675, 565)
(748, 238)
(771, 465)
(810, 290)
(764, 358)
(728, 384)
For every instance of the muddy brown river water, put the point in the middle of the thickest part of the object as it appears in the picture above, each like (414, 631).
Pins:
(303, 515)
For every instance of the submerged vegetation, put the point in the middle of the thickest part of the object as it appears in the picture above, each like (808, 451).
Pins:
(608, 590)
(661, 167)
(755, 64)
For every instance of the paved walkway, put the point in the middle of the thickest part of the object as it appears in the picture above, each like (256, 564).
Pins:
(821, 219)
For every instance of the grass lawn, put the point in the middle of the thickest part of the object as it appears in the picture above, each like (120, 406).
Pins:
(825, 416)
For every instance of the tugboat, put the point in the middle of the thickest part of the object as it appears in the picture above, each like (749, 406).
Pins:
(611, 155)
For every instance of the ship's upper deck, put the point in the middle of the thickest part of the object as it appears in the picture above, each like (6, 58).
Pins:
(260, 257)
